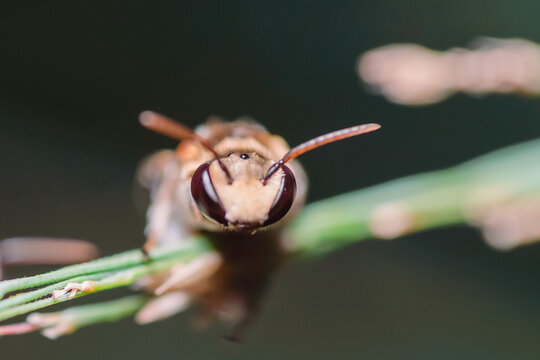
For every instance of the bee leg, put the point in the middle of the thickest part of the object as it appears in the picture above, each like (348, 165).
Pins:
(147, 247)
(237, 333)
(191, 274)
(163, 306)
(159, 215)
(145, 255)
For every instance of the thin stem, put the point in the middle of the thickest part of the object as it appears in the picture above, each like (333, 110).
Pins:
(54, 325)
(25, 297)
(115, 262)
(421, 202)
(105, 311)
(121, 278)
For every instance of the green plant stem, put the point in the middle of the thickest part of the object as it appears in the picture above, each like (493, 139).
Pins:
(106, 311)
(115, 262)
(53, 325)
(17, 305)
(25, 297)
(432, 199)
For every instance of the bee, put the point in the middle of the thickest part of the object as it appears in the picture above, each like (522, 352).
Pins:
(238, 185)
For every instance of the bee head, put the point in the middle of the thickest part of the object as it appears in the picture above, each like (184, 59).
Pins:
(248, 202)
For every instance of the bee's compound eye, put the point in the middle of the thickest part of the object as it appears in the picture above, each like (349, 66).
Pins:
(284, 198)
(205, 195)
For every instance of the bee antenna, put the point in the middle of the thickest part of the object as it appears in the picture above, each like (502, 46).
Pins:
(318, 142)
(166, 126)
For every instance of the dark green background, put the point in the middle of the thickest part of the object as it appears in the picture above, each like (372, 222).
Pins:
(75, 74)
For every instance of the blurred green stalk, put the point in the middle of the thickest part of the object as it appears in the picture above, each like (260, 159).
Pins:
(419, 202)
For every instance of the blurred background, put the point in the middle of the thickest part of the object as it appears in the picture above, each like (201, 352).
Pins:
(75, 75)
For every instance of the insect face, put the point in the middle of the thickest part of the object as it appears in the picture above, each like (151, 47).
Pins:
(246, 202)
